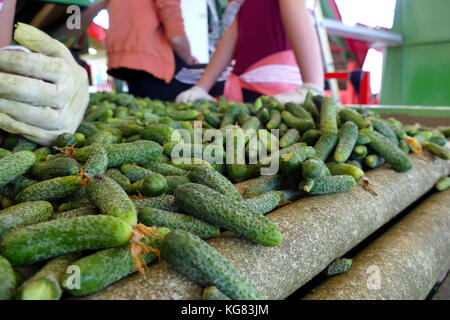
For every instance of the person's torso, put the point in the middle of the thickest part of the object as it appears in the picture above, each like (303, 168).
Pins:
(260, 33)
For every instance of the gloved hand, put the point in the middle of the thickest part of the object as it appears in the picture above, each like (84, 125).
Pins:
(194, 94)
(299, 95)
(43, 93)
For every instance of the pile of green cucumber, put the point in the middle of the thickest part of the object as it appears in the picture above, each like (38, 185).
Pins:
(74, 210)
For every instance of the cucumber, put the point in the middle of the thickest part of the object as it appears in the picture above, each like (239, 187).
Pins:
(345, 169)
(264, 116)
(219, 210)
(348, 134)
(182, 115)
(14, 187)
(251, 127)
(328, 116)
(4, 152)
(165, 169)
(55, 168)
(212, 118)
(73, 205)
(437, 150)
(100, 269)
(264, 203)
(290, 166)
(138, 152)
(355, 117)
(330, 184)
(268, 140)
(135, 173)
(102, 137)
(163, 202)
(443, 184)
(326, 144)
(397, 128)
(41, 154)
(292, 121)
(177, 221)
(198, 261)
(174, 181)
(211, 178)
(423, 136)
(121, 179)
(7, 280)
(95, 113)
(283, 128)
(212, 293)
(78, 212)
(311, 137)
(153, 185)
(24, 145)
(263, 184)
(441, 141)
(161, 133)
(362, 139)
(49, 239)
(97, 162)
(87, 129)
(275, 120)
(373, 161)
(52, 189)
(393, 155)
(188, 164)
(24, 214)
(359, 152)
(242, 117)
(65, 139)
(338, 266)
(14, 165)
(289, 138)
(121, 112)
(111, 199)
(383, 127)
(314, 168)
(45, 284)
(355, 163)
(298, 111)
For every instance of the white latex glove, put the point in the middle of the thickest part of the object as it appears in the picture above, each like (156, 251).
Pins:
(299, 95)
(194, 94)
(43, 93)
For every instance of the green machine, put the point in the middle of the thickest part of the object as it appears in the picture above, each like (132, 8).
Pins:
(418, 71)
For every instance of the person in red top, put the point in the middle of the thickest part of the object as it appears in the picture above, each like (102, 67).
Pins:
(270, 41)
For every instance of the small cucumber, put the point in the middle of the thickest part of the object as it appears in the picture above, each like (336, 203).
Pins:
(161, 133)
(345, 169)
(97, 162)
(263, 184)
(355, 163)
(264, 203)
(64, 139)
(212, 293)
(441, 141)
(314, 168)
(195, 259)
(24, 145)
(397, 128)
(121, 179)
(135, 173)
(174, 181)
(14, 165)
(437, 150)
(221, 211)
(24, 214)
(298, 111)
(355, 117)
(348, 134)
(152, 186)
(45, 240)
(52, 189)
(7, 280)
(55, 168)
(165, 169)
(40, 154)
(362, 139)
(177, 221)
(383, 127)
(4, 152)
(289, 138)
(311, 137)
(328, 116)
(183, 115)
(283, 128)
(111, 199)
(78, 212)
(275, 120)
(212, 118)
(102, 137)
(163, 202)
(87, 128)
(330, 184)
(443, 184)
(338, 266)
(325, 146)
(373, 161)
(292, 121)
(359, 153)
(14, 187)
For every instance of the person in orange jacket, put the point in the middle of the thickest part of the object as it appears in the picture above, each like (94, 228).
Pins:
(270, 41)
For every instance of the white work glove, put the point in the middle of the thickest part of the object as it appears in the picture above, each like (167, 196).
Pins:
(43, 93)
(298, 96)
(194, 94)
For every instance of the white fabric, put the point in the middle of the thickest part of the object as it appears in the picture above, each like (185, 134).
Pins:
(194, 94)
(43, 93)
(274, 73)
(299, 95)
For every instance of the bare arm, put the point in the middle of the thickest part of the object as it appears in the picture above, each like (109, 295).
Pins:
(180, 44)
(304, 40)
(221, 58)
(6, 22)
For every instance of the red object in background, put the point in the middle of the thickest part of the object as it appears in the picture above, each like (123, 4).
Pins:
(97, 32)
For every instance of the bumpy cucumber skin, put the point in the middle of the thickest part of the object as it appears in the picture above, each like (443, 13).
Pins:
(12, 188)
(219, 210)
(24, 214)
(331, 184)
(97, 162)
(355, 163)
(362, 139)
(326, 144)
(163, 202)
(355, 117)
(102, 137)
(105, 267)
(182, 115)
(397, 128)
(153, 185)
(314, 168)
(263, 184)
(373, 161)
(24, 145)
(73, 205)
(55, 168)
(211, 178)
(4, 153)
(437, 150)
(160, 133)
(264, 203)
(292, 121)
(289, 138)
(311, 137)
(134, 173)
(198, 261)
(41, 153)
(138, 152)
(78, 212)
(443, 184)
(14, 165)
(298, 111)
(45, 240)
(52, 189)
(348, 134)
(53, 271)
(174, 181)
(177, 221)
(165, 169)
(338, 266)
(7, 280)
(382, 127)
(120, 178)
(212, 293)
(328, 116)
(359, 153)
(275, 120)
(393, 155)
(337, 169)
(111, 199)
